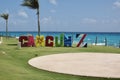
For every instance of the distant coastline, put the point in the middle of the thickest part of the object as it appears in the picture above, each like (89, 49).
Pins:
(60, 32)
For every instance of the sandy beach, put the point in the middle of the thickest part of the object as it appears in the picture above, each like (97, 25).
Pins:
(83, 64)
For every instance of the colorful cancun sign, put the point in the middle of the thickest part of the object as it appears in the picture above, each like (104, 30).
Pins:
(50, 41)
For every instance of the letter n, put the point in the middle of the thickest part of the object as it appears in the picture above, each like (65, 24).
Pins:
(67, 41)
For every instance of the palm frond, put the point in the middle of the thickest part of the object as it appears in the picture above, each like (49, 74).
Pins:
(34, 4)
(5, 16)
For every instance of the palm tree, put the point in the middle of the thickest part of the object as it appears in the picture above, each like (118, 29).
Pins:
(33, 4)
(5, 16)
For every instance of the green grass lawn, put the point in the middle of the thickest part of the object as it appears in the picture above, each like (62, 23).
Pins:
(14, 66)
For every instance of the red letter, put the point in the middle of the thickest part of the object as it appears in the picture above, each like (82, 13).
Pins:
(31, 41)
(49, 41)
(23, 40)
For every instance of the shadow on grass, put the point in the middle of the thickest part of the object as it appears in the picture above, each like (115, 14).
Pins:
(12, 44)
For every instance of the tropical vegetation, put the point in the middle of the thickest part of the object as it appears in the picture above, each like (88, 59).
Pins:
(5, 16)
(33, 4)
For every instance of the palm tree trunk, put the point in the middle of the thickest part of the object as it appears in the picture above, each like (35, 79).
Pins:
(38, 15)
(6, 29)
(96, 40)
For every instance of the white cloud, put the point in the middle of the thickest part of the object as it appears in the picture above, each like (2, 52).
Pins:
(89, 21)
(106, 21)
(46, 20)
(54, 2)
(23, 14)
(117, 4)
(111, 21)
(52, 11)
(116, 21)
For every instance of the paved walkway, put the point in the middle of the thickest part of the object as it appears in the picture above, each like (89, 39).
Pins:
(84, 64)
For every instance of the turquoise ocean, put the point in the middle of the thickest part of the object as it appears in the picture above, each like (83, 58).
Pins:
(113, 38)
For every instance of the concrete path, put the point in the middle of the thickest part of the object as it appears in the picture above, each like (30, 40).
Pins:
(83, 64)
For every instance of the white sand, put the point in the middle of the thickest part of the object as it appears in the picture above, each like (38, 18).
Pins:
(84, 64)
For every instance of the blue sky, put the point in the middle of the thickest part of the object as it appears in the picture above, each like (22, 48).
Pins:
(63, 15)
